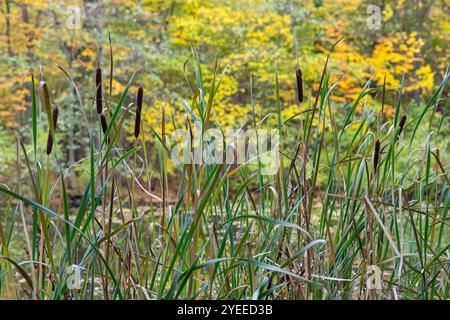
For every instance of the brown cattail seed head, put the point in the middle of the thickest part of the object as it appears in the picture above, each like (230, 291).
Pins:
(137, 124)
(45, 96)
(55, 114)
(98, 84)
(298, 74)
(401, 123)
(376, 155)
(104, 123)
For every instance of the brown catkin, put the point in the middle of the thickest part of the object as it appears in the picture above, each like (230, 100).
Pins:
(401, 124)
(376, 155)
(50, 137)
(298, 74)
(45, 97)
(137, 124)
(104, 123)
(98, 85)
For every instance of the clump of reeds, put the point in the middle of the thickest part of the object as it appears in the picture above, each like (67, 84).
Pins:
(202, 228)
(137, 123)
(55, 114)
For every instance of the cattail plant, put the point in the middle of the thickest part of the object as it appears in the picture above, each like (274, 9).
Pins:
(50, 134)
(298, 74)
(137, 124)
(376, 155)
(98, 84)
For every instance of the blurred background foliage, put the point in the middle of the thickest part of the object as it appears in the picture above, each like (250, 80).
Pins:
(248, 38)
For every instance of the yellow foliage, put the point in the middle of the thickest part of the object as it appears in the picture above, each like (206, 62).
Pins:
(153, 38)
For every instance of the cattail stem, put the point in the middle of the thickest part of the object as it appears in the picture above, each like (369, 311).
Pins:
(50, 133)
(137, 124)
(164, 178)
(99, 91)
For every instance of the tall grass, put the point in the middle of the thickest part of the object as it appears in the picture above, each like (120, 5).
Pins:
(374, 194)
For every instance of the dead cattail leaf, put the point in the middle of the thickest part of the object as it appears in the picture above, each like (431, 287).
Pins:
(137, 124)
